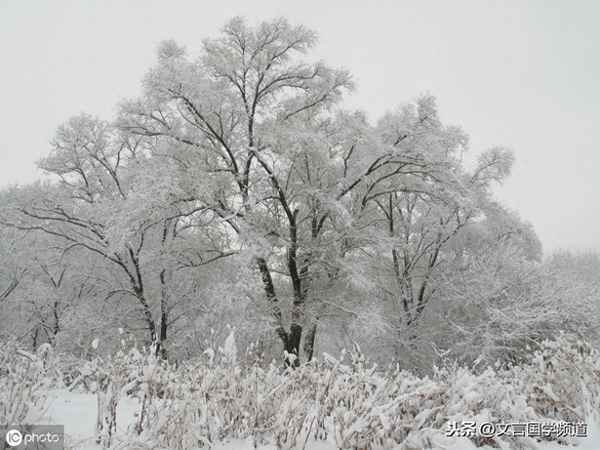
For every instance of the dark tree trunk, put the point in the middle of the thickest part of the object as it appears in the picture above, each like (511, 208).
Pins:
(161, 346)
(56, 315)
(35, 337)
(137, 285)
(291, 340)
(309, 342)
(293, 343)
(298, 285)
(272, 299)
(150, 325)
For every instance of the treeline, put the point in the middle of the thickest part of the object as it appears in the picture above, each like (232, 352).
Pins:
(237, 191)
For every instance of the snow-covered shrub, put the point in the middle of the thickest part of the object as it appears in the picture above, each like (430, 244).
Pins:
(350, 402)
(170, 412)
(487, 397)
(563, 379)
(111, 378)
(24, 382)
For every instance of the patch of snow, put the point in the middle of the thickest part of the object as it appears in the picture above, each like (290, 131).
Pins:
(77, 412)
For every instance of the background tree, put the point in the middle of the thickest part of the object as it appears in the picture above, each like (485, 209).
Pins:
(238, 191)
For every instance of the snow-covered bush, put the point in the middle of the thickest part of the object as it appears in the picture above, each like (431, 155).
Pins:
(345, 401)
(111, 378)
(24, 381)
(563, 379)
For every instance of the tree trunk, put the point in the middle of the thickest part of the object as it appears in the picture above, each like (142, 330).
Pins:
(56, 328)
(295, 334)
(309, 342)
(291, 340)
(161, 346)
(151, 326)
(35, 336)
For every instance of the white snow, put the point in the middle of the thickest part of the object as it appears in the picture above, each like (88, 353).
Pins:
(77, 412)
(230, 349)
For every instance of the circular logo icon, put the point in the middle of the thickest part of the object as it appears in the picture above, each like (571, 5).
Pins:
(14, 438)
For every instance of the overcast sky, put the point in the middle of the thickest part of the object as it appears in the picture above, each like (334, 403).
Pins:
(523, 74)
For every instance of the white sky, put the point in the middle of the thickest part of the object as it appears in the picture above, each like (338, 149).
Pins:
(524, 74)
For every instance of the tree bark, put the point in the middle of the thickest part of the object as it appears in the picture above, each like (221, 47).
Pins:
(35, 336)
(309, 342)
(151, 326)
(291, 340)
(161, 345)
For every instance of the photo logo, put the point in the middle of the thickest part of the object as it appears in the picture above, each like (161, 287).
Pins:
(28, 436)
(14, 438)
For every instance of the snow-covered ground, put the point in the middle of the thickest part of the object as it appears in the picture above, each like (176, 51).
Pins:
(77, 412)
